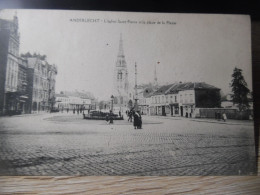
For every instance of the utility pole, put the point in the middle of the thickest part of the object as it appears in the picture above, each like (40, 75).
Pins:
(136, 99)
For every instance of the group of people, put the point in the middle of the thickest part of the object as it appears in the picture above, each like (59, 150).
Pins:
(133, 116)
(78, 110)
(109, 118)
(137, 118)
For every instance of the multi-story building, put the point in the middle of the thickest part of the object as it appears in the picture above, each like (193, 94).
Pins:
(22, 86)
(181, 99)
(73, 100)
(158, 104)
(51, 77)
(41, 84)
(144, 99)
(9, 52)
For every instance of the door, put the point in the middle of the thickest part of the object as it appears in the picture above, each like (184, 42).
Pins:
(163, 111)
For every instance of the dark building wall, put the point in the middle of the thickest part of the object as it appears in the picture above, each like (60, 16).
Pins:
(207, 98)
(30, 75)
(4, 43)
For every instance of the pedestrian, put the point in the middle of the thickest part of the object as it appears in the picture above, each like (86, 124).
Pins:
(67, 110)
(139, 121)
(136, 119)
(107, 119)
(224, 116)
(130, 115)
(78, 110)
(111, 120)
(119, 114)
(74, 110)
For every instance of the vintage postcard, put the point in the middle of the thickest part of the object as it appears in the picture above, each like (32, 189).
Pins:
(122, 93)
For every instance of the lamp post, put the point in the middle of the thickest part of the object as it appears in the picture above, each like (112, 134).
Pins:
(112, 101)
(136, 98)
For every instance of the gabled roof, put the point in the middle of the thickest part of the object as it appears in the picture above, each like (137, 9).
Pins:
(148, 91)
(162, 89)
(60, 95)
(176, 87)
(203, 85)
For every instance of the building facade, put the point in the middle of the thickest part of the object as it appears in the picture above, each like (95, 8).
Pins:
(22, 86)
(182, 99)
(41, 84)
(51, 77)
(73, 101)
(9, 53)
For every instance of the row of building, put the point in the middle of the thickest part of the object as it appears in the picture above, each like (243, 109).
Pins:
(178, 99)
(68, 100)
(27, 84)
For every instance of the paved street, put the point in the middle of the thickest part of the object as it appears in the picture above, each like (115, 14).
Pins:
(65, 144)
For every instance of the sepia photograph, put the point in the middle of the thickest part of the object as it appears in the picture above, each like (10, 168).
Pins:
(99, 93)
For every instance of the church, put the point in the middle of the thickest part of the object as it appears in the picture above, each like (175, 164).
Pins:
(122, 92)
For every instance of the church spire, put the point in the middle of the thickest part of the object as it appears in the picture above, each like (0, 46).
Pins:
(155, 76)
(121, 57)
(121, 49)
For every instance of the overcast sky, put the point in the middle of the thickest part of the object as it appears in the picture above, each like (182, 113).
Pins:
(197, 48)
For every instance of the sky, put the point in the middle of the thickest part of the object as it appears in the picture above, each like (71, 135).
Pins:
(189, 47)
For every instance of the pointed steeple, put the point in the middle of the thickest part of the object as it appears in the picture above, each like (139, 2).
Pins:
(121, 74)
(155, 82)
(121, 57)
(121, 49)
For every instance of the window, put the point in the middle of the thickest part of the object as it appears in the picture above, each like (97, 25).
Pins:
(119, 75)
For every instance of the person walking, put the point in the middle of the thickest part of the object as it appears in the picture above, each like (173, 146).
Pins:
(139, 121)
(136, 119)
(107, 119)
(224, 117)
(111, 120)
(130, 115)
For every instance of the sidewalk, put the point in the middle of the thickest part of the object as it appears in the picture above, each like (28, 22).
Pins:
(209, 120)
(25, 115)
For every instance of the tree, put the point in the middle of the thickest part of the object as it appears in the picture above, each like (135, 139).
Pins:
(240, 90)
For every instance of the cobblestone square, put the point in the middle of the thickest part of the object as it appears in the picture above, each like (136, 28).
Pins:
(66, 144)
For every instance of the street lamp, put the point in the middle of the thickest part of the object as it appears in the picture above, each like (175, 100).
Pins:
(112, 101)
